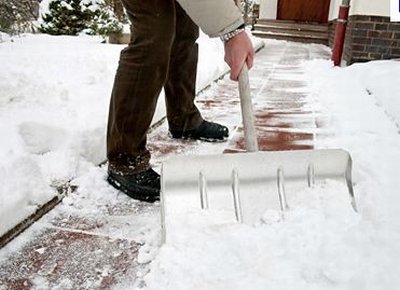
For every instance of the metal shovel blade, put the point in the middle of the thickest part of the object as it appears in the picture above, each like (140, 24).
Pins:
(247, 184)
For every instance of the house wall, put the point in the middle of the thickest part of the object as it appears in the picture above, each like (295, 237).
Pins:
(334, 9)
(371, 38)
(370, 7)
(268, 9)
(361, 7)
(369, 35)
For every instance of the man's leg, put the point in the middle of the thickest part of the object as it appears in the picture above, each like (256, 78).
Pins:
(181, 83)
(184, 118)
(142, 72)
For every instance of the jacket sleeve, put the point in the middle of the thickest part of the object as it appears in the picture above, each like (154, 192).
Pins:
(215, 17)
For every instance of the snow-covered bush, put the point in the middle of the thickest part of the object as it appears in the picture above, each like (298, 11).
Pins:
(68, 17)
(105, 21)
(71, 17)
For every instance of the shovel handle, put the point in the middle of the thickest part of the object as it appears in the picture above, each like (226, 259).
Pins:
(246, 105)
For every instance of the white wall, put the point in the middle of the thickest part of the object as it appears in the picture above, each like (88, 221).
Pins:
(334, 9)
(371, 7)
(362, 7)
(268, 9)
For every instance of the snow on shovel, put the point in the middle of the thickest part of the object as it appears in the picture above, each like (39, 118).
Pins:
(243, 186)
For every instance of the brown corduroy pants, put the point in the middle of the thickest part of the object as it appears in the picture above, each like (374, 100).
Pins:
(162, 53)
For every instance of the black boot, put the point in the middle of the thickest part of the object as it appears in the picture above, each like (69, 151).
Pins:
(207, 131)
(144, 186)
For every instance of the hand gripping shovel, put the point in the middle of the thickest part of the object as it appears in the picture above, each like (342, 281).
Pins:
(244, 185)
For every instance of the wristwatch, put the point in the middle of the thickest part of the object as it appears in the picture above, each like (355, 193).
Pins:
(233, 33)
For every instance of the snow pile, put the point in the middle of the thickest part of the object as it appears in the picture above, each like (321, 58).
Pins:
(52, 110)
(379, 80)
(362, 107)
(54, 96)
(310, 247)
(324, 245)
(4, 37)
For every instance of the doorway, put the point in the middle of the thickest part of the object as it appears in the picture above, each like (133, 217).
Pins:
(304, 10)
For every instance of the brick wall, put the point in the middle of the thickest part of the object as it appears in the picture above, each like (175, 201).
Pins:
(370, 38)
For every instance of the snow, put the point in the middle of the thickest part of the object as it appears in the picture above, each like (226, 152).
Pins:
(54, 94)
(378, 79)
(364, 111)
(4, 37)
(53, 111)
(324, 245)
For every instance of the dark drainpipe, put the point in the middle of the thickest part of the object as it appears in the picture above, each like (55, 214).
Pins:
(340, 32)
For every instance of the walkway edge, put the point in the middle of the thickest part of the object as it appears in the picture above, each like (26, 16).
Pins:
(26, 223)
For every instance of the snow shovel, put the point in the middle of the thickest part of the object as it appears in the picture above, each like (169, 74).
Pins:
(243, 186)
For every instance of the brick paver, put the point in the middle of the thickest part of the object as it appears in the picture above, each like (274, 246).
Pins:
(92, 240)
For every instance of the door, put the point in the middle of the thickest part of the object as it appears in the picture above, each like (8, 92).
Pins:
(304, 10)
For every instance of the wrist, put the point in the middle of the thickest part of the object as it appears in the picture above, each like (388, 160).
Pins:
(227, 36)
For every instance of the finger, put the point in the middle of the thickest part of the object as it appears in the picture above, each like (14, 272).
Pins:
(250, 61)
(234, 75)
(236, 69)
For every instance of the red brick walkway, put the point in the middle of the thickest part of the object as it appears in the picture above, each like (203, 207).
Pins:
(92, 240)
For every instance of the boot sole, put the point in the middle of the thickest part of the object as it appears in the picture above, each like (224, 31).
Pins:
(211, 140)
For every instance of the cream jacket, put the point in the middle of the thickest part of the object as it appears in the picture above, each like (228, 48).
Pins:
(215, 17)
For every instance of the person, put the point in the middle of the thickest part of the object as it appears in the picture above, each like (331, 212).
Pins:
(162, 53)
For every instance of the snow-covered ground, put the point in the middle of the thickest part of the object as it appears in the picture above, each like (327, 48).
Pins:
(54, 94)
(325, 244)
